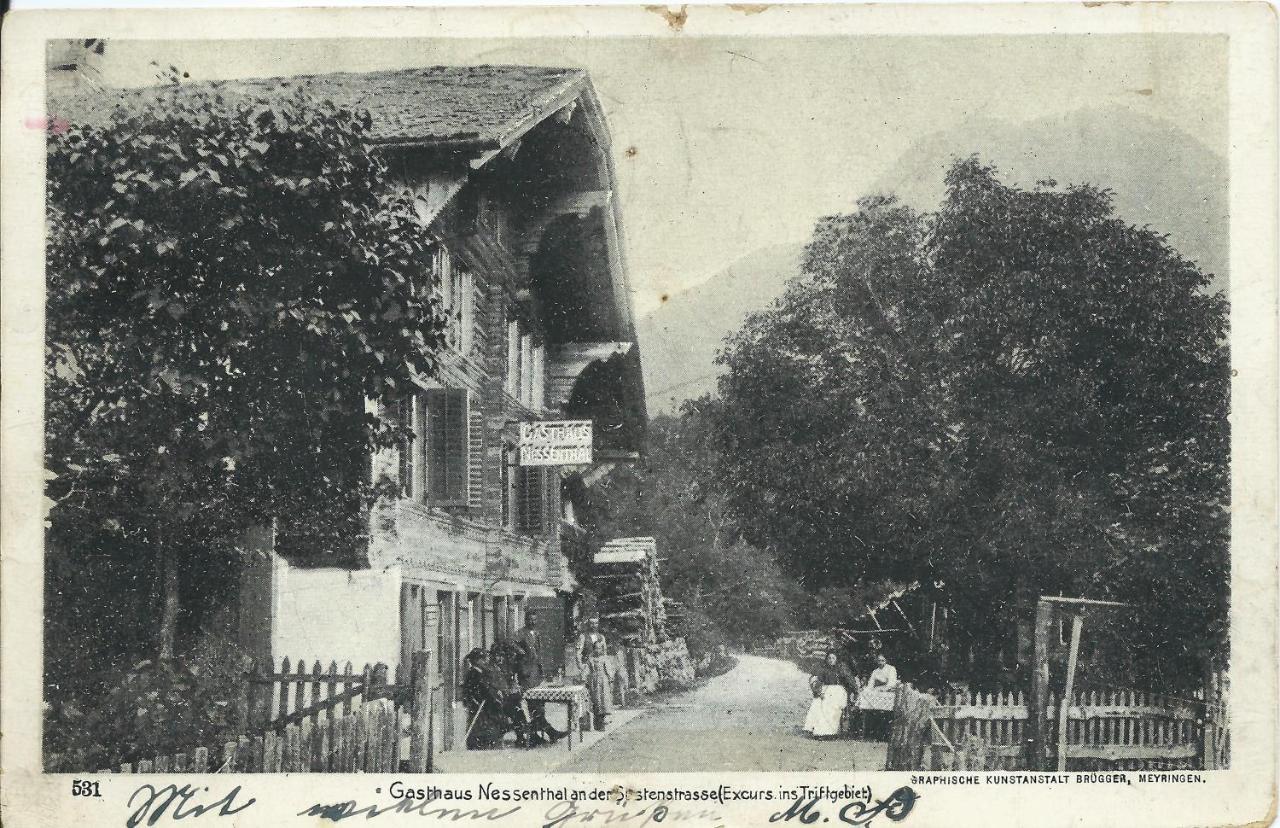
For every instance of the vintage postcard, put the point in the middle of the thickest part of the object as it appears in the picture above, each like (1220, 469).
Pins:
(714, 415)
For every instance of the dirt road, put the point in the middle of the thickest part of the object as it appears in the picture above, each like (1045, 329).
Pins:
(746, 720)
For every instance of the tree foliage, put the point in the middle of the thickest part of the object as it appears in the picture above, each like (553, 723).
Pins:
(229, 281)
(1017, 394)
(732, 592)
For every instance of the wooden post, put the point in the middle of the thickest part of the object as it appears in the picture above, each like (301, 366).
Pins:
(1209, 732)
(910, 729)
(245, 701)
(1077, 622)
(1039, 698)
(430, 730)
(376, 688)
(419, 712)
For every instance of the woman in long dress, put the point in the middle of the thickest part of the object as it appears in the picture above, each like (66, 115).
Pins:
(878, 696)
(830, 685)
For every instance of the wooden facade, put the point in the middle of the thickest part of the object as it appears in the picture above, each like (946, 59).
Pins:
(526, 264)
(511, 173)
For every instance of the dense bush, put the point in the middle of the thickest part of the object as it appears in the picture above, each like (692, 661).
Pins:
(154, 707)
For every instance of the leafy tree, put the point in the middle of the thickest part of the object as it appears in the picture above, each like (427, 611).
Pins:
(1017, 394)
(229, 282)
(731, 591)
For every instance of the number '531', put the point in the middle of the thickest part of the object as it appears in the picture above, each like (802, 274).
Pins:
(83, 787)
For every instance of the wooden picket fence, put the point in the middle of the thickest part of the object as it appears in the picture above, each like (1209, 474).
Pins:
(365, 741)
(1105, 730)
(292, 695)
(321, 722)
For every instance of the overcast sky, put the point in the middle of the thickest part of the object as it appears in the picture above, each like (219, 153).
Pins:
(742, 143)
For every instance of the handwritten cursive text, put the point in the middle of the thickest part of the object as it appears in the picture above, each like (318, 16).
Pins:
(154, 803)
(894, 808)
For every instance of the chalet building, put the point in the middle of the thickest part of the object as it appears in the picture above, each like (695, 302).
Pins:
(512, 173)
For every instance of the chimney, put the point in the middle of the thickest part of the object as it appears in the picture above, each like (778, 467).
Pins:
(73, 66)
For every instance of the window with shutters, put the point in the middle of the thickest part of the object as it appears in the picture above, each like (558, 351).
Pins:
(409, 412)
(524, 494)
(403, 412)
(530, 499)
(447, 445)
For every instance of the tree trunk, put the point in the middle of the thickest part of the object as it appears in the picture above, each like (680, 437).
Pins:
(169, 598)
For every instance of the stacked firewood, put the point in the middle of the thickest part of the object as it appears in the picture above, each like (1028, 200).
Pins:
(631, 606)
(628, 593)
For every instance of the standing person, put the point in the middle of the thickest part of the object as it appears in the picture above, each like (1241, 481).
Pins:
(593, 662)
(529, 642)
(528, 645)
(831, 686)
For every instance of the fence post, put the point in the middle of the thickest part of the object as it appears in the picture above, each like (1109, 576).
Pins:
(376, 682)
(1038, 701)
(1209, 731)
(258, 697)
(912, 712)
(1068, 692)
(419, 710)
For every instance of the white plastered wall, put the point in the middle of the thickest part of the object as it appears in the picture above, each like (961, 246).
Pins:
(335, 614)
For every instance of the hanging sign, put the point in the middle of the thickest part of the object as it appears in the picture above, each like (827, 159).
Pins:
(555, 443)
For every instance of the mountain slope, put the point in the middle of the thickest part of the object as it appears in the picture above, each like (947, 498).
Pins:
(678, 341)
(1160, 176)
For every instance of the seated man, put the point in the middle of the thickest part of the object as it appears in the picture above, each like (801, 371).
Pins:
(509, 692)
(486, 722)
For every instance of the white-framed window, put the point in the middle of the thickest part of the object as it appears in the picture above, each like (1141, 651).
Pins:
(526, 366)
(454, 288)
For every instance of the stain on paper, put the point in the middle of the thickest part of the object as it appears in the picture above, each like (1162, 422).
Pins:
(675, 19)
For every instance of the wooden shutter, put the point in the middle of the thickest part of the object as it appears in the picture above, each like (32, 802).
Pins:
(448, 445)
(526, 370)
(418, 453)
(538, 393)
(513, 357)
(401, 411)
(475, 458)
(508, 485)
(530, 499)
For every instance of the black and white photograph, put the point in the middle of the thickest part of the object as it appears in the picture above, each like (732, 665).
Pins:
(603, 405)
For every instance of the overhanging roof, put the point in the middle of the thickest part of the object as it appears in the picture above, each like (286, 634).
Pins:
(485, 107)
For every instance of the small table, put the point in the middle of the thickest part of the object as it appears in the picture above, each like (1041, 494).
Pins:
(879, 699)
(573, 696)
